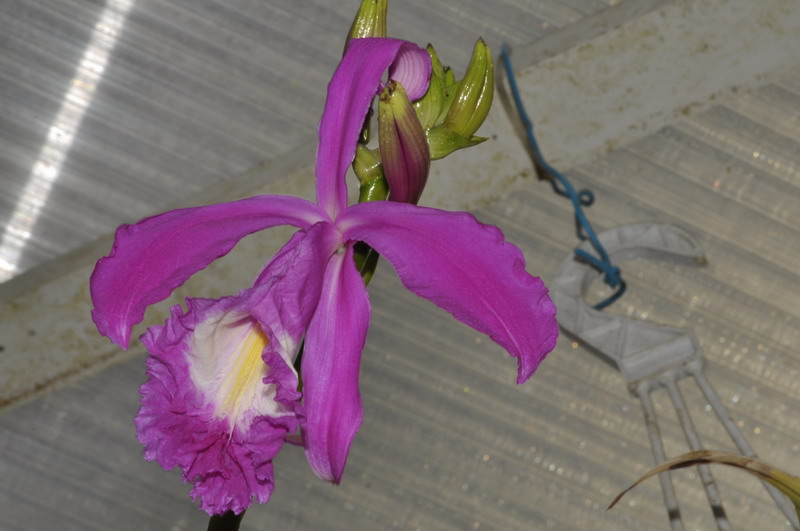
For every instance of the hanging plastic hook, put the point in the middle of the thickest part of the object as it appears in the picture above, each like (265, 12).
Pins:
(651, 356)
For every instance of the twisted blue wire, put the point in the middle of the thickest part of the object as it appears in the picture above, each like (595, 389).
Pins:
(579, 199)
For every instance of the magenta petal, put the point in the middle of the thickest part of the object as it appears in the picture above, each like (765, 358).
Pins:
(465, 267)
(287, 292)
(154, 256)
(289, 287)
(331, 359)
(413, 70)
(350, 92)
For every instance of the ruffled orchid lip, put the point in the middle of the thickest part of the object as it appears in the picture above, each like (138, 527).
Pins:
(222, 436)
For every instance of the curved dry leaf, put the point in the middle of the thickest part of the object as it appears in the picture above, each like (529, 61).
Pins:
(786, 483)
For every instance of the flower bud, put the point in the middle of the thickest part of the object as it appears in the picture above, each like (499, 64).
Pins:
(430, 107)
(449, 90)
(403, 146)
(473, 98)
(371, 180)
(370, 20)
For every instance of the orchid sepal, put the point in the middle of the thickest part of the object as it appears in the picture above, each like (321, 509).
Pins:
(461, 258)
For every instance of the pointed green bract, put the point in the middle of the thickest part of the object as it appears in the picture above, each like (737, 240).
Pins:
(437, 70)
(442, 141)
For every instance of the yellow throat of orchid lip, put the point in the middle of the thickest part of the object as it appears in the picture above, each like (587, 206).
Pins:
(239, 385)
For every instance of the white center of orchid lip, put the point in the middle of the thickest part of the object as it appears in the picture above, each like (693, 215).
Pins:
(227, 367)
(246, 371)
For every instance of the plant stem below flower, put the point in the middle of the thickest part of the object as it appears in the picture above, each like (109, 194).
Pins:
(225, 522)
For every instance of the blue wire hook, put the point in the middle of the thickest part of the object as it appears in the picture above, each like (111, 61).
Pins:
(562, 186)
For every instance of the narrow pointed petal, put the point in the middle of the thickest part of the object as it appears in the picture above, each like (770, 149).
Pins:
(288, 289)
(154, 256)
(210, 403)
(352, 87)
(331, 360)
(465, 267)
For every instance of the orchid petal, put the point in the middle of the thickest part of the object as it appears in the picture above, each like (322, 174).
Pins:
(286, 293)
(331, 359)
(412, 69)
(154, 256)
(350, 92)
(465, 267)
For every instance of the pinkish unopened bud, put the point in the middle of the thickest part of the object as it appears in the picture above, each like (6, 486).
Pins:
(404, 151)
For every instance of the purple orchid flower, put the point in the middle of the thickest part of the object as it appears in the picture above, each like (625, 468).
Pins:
(221, 395)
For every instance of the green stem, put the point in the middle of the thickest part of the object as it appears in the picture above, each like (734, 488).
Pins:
(225, 522)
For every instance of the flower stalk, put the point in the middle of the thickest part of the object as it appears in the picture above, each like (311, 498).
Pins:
(225, 522)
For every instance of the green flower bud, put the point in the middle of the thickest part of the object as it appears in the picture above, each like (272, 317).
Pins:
(442, 141)
(448, 94)
(403, 146)
(370, 21)
(449, 78)
(473, 98)
(371, 180)
(431, 106)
